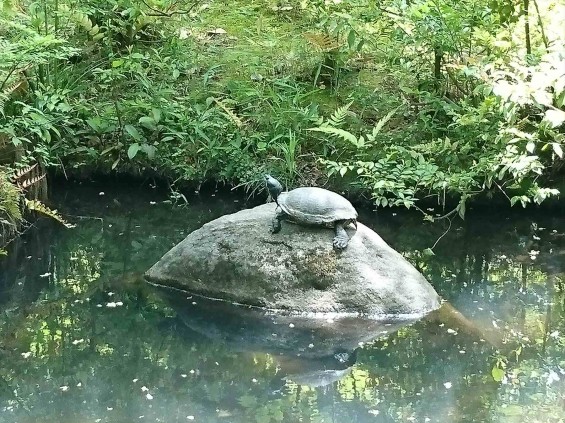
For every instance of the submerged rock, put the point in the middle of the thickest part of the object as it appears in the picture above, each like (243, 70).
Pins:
(235, 258)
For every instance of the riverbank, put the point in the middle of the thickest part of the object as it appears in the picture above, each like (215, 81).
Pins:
(306, 91)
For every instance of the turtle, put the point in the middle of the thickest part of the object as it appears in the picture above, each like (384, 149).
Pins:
(312, 206)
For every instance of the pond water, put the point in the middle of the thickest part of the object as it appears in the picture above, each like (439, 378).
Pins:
(83, 339)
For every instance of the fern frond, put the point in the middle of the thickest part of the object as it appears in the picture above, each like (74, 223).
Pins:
(382, 122)
(3, 101)
(10, 195)
(342, 133)
(338, 117)
(38, 206)
(23, 171)
(322, 42)
(235, 118)
(82, 20)
(30, 181)
(15, 87)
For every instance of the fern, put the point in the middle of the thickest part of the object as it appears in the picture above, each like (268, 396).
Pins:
(26, 183)
(3, 101)
(39, 207)
(231, 114)
(338, 117)
(380, 124)
(322, 42)
(82, 20)
(331, 127)
(10, 194)
(342, 133)
(23, 171)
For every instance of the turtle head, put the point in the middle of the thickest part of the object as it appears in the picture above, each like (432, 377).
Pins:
(274, 187)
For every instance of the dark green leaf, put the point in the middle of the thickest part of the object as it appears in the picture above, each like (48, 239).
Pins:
(132, 130)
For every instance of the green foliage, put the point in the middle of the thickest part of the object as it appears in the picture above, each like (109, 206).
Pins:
(10, 207)
(38, 206)
(476, 128)
(429, 99)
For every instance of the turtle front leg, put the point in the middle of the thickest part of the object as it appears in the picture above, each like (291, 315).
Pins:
(341, 238)
(276, 224)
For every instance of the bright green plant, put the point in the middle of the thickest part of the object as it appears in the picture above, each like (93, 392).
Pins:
(10, 208)
(338, 41)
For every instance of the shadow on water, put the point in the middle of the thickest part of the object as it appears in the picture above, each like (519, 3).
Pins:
(83, 339)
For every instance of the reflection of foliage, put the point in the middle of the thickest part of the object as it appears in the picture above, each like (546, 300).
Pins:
(96, 344)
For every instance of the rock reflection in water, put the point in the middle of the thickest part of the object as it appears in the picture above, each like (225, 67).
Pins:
(308, 350)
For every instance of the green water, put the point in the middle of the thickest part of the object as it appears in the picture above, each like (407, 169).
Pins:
(82, 339)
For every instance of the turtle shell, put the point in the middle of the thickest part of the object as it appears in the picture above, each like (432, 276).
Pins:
(316, 206)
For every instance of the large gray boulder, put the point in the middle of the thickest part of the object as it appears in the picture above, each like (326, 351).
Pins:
(236, 258)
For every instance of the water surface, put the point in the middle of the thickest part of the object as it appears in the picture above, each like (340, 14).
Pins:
(82, 339)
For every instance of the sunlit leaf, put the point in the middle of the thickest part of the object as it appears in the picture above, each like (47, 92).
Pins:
(497, 374)
(347, 136)
(555, 117)
(557, 149)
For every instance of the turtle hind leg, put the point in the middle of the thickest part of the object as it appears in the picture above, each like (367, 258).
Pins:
(341, 238)
(276, 223)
